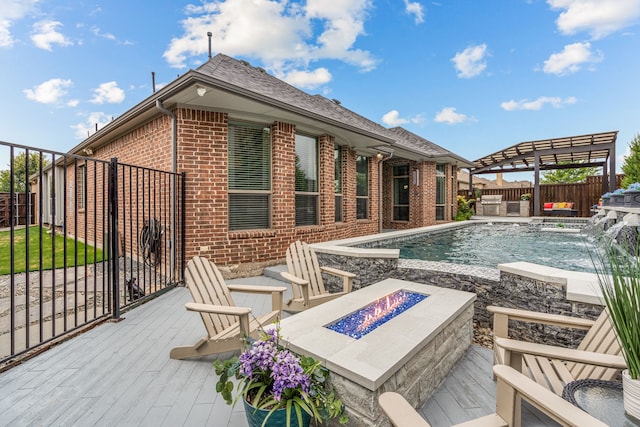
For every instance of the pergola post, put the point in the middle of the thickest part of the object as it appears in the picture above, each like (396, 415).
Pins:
(536, 185)
(605, 179)
(612, 167)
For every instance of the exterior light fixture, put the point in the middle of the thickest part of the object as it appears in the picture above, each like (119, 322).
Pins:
(201, 90)
(379, 156)
(416, 177)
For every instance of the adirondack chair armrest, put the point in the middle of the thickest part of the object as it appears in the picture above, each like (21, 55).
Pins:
(502, 315)
(551, 404)
(217, 309)
(294, 279)
(347, 278)
(337, 272)
(256, 289)
(560, 353)
(399, 411)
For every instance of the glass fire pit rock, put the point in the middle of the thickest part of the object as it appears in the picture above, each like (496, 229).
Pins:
(362, 321)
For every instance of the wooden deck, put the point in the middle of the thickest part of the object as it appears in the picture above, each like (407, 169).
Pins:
(121, 374)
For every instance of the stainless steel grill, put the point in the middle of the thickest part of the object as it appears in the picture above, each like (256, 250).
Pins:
(491, 204)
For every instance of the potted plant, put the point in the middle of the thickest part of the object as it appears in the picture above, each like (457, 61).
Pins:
(278, 387)
(525, 196)
(618, 272)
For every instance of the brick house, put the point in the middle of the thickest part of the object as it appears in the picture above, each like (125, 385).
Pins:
(266, 164)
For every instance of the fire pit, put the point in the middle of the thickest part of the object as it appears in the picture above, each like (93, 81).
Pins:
(368, 318)
(410, 353)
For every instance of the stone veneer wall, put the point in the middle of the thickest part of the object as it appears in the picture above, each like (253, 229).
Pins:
(491, 286)
(416, 380)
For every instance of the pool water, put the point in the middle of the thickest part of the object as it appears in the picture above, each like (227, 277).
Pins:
(488, 245)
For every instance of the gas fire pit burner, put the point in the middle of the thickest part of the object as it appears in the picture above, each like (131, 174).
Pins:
(362, 321)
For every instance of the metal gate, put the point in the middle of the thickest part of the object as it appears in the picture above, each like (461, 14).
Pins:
(104, 236)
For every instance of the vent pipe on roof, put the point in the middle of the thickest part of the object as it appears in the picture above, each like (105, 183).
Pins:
(209, 35)
(153, 81)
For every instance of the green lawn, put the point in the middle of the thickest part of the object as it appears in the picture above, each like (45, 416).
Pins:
(34, 251)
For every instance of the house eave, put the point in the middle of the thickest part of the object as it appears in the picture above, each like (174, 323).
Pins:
(182, 91)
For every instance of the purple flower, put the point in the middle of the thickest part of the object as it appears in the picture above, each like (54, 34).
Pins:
(278, 368)
(288, 374)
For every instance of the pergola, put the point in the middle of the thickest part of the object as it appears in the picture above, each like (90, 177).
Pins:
(596, 149)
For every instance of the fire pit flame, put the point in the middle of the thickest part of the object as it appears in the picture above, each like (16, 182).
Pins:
(368, 318)
(381, 308)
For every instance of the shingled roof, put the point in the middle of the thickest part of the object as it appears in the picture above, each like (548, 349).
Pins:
(250, 92)
(257, 80)
(243, 75)
(418, 144)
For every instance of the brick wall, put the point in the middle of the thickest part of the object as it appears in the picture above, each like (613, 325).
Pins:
(202, 155)
(422, 194)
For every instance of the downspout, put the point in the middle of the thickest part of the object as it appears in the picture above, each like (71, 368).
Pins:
(174, 169)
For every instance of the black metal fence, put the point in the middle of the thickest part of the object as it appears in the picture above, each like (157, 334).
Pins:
(101, 237)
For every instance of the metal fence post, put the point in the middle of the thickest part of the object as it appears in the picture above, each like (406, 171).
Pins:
(183, 224)
(113, 238)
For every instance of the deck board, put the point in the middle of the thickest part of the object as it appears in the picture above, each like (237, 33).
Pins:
(121, 374)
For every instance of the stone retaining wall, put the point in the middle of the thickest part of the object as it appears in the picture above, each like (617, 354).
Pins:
(491, 286)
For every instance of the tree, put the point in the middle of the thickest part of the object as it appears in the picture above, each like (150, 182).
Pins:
(564, 176)
(631, 165)
(20, 178)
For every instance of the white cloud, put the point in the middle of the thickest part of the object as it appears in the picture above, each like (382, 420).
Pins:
(98, 33)
(12, 10)
(570, 59)
(597, 17)
(45, 34)
(278, 33)
(471, 61)
(415, 8)
(308, 79)
(49, 92)
(538, 104)
(448, 115)
(393, 119)
(83, 130)
(108, 92)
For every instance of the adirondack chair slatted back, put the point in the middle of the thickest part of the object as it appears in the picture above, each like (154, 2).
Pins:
(601, 338)
(206, 284)
(302, 262)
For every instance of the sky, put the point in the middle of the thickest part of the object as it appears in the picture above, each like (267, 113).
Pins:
(471, 76)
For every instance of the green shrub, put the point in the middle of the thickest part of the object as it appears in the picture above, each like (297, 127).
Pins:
(465, 211)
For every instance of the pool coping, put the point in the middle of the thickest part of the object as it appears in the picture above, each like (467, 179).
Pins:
(581, 286)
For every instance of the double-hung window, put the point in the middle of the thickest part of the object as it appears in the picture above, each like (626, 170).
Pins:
(401, 193)
(81, 185)
(441, 191)
(307, 194)
(337, 182)
(362, 187)
(249, 177)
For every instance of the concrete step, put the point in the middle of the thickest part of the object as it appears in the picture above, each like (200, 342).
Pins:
(274, 271)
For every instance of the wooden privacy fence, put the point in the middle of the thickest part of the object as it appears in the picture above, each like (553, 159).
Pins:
(583, 195)
(22, 216)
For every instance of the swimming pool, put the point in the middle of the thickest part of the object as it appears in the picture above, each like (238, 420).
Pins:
(490, 244)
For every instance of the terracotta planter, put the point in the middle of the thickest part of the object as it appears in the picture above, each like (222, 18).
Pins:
(256, 417)
(631, 395)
